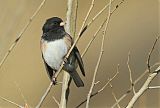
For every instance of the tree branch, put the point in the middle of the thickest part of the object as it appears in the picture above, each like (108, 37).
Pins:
(100, 27)
(150, 53)
(145, 85)
(143, 89)
(66, 76)
(11, 102)
(151, 76)
(21, 33)
(154, 87)
(44, 95)
(100, 56)
(114, 95)
(100, 90)
(130, 74)
(135, 82)
(56, 101)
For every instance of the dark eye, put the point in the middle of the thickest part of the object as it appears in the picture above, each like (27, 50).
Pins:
(55, 23)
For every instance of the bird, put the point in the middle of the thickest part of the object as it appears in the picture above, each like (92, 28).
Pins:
(55, 43)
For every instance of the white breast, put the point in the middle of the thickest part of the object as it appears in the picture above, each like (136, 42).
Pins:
(54, 53)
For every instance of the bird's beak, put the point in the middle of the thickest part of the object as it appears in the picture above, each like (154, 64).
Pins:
(62, 23)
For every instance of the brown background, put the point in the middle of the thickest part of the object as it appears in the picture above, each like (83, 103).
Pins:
(133, 27)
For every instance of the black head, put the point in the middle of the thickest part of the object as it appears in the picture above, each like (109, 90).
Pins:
(53, 23)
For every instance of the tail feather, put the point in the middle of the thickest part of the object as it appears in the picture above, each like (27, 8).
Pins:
(76, 78)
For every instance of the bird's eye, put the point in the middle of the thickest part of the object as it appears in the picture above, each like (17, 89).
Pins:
(55, 23)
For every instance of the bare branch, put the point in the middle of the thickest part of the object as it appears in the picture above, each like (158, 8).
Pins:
(11, 102)
(98, 14)
(99, 59)
(150, 53)
(21, 34)
(142, 89)
(93, 38)
(96, 33)
(100, 90)
(75, 18)
(114, 95)
(96, 82)
(135, 82)
(66, 76)
(110, 79)
(145, 72)
(56, 101)
(154, 87)
(148, 81)
(140, 77)
(20, 91)
(84, 22)
(44, 95)
(130, 74)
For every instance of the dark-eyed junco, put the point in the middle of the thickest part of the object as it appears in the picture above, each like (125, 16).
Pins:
(55, 43)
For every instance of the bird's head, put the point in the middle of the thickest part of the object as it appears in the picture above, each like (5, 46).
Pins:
(53, 23)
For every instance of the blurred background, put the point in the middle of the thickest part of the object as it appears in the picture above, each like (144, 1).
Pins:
(133, 27)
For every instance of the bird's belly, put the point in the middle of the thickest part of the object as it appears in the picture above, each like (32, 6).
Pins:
(54, 53)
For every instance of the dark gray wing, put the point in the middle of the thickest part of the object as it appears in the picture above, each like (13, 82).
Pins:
(79, 60)
(69, 42)
(70, 67)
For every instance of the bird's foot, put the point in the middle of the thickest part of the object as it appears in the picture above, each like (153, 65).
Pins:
(65, 60)
(54, 80)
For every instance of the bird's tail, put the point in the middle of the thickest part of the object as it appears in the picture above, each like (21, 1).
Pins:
(76, 78)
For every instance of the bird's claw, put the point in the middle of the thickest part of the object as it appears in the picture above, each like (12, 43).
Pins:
(54, 80)
(65, 60)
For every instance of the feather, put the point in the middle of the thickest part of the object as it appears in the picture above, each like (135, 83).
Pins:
(79, 59)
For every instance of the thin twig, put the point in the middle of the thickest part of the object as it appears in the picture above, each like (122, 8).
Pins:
(96, 82)
(100, 90)
(11, 102)
(75, 18)
(121, 98)
(135, 82)
(114, 95)
(56, 101)
(20, 91)
(142, 89)
(96, 33)
(44, 95)
(21, 34)
(130, 74)
(144, 73)
(101, 11)
(150, 53)
(154, 87)
(110, 79)
(98, 14)
(148, 81)
(85, 19)
(100, 57)
(93, 38)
